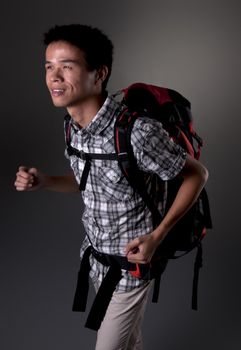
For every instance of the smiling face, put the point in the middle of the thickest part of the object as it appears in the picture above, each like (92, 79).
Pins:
(68, 79)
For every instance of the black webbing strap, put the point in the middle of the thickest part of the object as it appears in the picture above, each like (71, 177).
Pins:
(206, 209)
(106, 289)
(85, 174)
(87, 157)
(103, 297)
(156, 288)
(197, 266)
(82, 289)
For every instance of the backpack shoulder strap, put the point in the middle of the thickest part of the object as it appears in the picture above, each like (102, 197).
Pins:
(127, 161)
(67, 130)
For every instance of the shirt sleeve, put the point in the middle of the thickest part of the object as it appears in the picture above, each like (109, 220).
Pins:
(155, 151)
(66, 154)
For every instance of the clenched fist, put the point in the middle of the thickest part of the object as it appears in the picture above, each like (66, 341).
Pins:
(28, 179)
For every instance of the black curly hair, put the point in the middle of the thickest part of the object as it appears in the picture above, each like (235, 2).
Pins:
(96, 46)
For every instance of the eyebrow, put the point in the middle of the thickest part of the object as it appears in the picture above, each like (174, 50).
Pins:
(63, 61)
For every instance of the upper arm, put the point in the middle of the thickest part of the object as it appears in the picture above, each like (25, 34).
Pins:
(194, 167)
(155, 151)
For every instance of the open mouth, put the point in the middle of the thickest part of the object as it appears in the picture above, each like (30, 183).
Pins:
(57, 92)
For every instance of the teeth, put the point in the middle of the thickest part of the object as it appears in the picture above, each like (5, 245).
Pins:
(58, 90)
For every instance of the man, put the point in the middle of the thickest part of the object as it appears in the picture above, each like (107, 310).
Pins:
(117, 222)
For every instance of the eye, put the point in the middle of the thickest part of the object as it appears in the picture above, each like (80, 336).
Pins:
(67, 67)
(48, 67)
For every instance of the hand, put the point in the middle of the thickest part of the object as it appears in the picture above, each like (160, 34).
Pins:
(28, 179)
(141, 249)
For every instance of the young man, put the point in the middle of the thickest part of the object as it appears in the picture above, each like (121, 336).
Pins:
(117, 222)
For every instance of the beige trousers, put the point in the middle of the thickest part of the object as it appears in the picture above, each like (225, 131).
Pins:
(121, 326)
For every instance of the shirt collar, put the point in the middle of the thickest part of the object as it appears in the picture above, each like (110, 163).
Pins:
(102, 119)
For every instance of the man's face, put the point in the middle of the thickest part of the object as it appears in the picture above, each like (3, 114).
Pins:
(69, 81)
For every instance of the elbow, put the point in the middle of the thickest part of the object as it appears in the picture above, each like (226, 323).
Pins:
(196, 169)
(204, 174)
(201, 173)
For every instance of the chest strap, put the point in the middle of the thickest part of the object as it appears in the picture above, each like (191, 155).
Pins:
(87, 157)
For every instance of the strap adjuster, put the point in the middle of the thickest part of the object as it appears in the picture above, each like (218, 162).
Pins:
(122, 156)
(75, 152)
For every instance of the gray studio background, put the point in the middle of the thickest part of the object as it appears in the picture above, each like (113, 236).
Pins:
(191, 46)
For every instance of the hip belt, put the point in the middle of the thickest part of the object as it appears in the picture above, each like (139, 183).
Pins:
(113, 276)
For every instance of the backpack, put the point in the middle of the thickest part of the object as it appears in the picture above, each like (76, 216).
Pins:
(174, 112)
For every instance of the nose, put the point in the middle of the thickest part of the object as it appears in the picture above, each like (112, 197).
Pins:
(56, 75)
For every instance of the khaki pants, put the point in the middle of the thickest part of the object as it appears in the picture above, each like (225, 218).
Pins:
(121, 327)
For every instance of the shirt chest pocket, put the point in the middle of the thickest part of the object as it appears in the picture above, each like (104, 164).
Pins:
(114, 185)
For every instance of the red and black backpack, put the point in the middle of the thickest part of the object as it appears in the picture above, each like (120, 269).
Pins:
(174, 112)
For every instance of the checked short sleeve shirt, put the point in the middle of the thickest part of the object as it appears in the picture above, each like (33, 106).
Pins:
(114, 214)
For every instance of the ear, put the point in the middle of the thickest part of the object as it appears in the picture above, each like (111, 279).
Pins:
(101, 74)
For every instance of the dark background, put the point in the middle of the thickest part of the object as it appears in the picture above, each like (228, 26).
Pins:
(191, 46)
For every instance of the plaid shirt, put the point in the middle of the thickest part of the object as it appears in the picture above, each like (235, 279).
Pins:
(114, 214)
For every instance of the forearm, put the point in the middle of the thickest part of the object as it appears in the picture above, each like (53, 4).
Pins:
(64, 183)
(31, 179)
(194, 177)
(141, 249)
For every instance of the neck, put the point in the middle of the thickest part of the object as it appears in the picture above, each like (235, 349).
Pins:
(83, 114)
